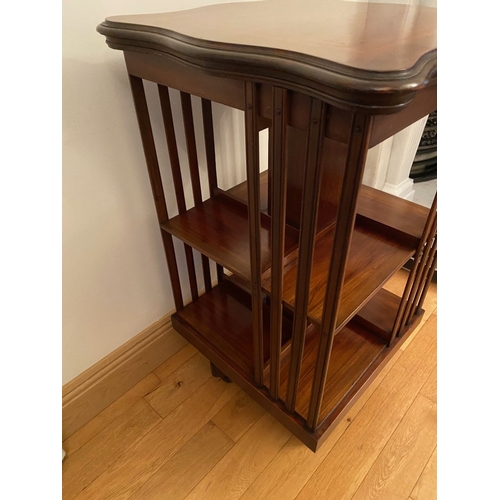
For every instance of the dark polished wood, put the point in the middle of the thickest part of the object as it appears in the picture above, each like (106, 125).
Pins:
(252, 168)
(405, 303)
(208, 132)
(224, 319)
(385, 126)
(175, 167)
(393, 216)
(218, 230)
(306, 50)
(358, 148)
(278, 191)
(230, 91)
(372, 260)
(226, 309)
(428, 280)
(354, 351)
(141, 109)
(421, 271)
(310, 203)
(194, 170)
(379, 313)
(426, 276)
(298, 317)
(387, 214)
(172, 73)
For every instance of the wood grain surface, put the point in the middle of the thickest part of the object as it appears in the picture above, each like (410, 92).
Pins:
(370, 54)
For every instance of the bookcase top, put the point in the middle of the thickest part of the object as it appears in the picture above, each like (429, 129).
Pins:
(350, 46)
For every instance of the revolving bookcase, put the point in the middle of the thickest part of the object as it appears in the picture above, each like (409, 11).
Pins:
(296, 314)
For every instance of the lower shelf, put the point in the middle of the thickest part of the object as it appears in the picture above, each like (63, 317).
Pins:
(222, 319)
(219, 324)
(354, 350)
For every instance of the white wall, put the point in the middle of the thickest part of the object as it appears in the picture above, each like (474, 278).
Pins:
(115, 279)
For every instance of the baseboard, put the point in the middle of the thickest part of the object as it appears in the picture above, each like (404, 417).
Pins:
(96, 388)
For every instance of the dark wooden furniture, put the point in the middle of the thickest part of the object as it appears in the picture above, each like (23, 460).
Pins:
(297, 315)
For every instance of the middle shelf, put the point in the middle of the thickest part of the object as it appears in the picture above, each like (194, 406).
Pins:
(218, 228)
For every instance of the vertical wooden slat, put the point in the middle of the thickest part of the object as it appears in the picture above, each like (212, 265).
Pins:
(423, 280)
(173, 153)
(278, 172)
(175, 166)
(253, 184)
(141, 109)
(187, 116)
(419, 275)
(353, 174)
(428, 281)
(308, 218)
(208, 131)
(396, 329)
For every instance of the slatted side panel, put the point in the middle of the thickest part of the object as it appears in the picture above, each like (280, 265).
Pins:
(278, 191)
(308, 219)
(420, 275)
(148, 143)
(253, 185)
(208, 132)
(175, 165)
(187, 114)
(428, 278)
(428, 271)
(353, 174)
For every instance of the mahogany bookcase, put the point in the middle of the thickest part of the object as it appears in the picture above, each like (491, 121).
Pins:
(297, 315)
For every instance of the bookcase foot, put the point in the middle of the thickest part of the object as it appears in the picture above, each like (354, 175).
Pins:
(218, 373)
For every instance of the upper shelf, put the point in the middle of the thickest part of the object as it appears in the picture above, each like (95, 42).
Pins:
(388, 214)
(368, 54)
(219, 230)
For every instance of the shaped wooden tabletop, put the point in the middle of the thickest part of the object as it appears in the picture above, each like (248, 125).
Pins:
(358, 47)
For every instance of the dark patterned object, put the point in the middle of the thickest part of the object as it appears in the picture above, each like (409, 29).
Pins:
(424, 166)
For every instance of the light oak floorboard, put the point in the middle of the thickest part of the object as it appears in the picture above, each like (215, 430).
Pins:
(104, 449)
(144, 459)
(179, 475)
(292, 467)
(230, 478)
(343, 470)
(426, 487)
(110, 414)
(429, 390)
(398, 467)
(175, 362)
(180, 385)
(238, 415)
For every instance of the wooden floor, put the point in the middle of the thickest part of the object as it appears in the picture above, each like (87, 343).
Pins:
(180, 433)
